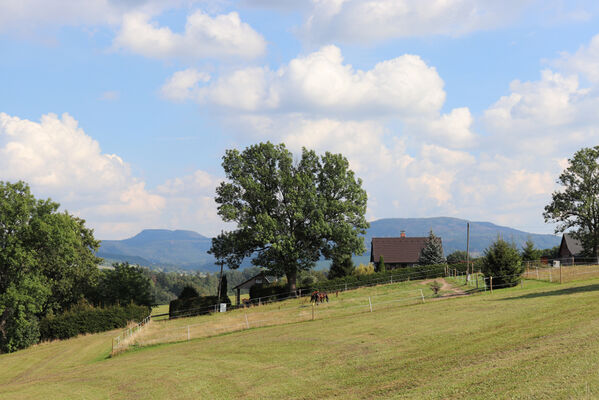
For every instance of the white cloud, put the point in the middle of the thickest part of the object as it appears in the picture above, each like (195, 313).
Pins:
(204, 37)
(25, 15)
(321, 82)
(59, 160)
(585, 61)
(180, 86)
(374, 20)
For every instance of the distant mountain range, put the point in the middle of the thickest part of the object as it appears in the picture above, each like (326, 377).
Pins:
(187, 250)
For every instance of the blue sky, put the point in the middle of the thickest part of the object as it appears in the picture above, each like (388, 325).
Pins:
(121, 111)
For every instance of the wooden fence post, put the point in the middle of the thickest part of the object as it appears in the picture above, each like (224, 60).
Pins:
(560, 273)
(312, 311)
(491, 280)
(370, 303)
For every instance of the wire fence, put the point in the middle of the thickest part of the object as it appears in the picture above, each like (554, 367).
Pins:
(164, 331)
(150, 332)
(302, 292)
(124, 339)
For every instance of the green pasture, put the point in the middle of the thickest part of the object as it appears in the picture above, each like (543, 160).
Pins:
(535, 342)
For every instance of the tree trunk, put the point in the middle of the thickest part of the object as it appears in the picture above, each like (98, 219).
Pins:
(291, 280)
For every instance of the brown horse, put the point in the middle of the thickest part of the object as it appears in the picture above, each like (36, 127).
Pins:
(319, 297)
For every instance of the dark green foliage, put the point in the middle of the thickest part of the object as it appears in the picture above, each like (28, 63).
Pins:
(288, 213)
(457, 257)
(20, 306)
(576, 206)
(432, 253)
(47, 263)
(86, 319)
(529, 253)
(188, 292)
(223, 290)
(123, 285)
(380, 266)
(502, 261)
(194, 306)
(270, 292)
(340, 267)
(550, 253)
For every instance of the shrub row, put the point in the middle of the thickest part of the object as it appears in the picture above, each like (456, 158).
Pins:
(87, 319)
(190, 306)
(274, 292)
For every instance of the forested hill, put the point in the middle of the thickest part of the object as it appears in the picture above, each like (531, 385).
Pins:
(177, 249)
(181, 249)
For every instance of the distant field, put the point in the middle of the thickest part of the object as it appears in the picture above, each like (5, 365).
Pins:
(536, 342)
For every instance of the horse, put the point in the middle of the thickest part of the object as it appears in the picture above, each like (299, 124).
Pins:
(319, 297)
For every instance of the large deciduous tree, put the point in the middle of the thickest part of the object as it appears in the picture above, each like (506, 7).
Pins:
(288, 212)
(576, 206)
(47, 263)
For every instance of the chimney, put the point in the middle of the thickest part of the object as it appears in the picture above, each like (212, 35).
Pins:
(402, 234)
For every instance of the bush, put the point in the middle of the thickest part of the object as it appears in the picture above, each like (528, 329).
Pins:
(191, 306)
(87, 319)
(502, 261)
(364, 269)
(188, 292)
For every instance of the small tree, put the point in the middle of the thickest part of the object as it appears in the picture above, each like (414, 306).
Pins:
(223, 290)
(435, 287)
(432, 252)
(341, 267)
(529, 253)
(189, 292)
(381, 267)
(457, 257)
(364, 269)
(502, 261)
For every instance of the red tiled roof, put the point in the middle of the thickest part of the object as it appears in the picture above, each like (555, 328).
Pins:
(397, 249)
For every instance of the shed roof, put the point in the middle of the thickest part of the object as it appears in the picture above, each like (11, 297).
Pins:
(254, 280)
(397, 249)
(572, 244)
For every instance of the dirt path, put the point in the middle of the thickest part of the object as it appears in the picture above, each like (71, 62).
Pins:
(449, 289)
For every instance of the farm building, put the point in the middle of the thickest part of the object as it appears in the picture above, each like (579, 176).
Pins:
(397, 252)
(259, 279)
(570, 247)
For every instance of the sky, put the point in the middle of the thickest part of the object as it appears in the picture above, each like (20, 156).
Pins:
(122, 110)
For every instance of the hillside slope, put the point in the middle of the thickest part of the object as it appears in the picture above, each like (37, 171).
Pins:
(537, 342)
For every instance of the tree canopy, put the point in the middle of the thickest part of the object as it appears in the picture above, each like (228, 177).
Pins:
(432, 252)
(502, 261)
(47, 263)
(576, 206)
(288, 213)
(529, 253)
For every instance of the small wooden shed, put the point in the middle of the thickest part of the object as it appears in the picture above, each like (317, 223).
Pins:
(259, 279)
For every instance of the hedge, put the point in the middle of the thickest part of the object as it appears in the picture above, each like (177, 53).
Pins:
(418, 272)
(87, 319)
(191, 306)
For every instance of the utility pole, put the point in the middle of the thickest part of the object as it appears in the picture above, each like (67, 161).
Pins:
(468, 248)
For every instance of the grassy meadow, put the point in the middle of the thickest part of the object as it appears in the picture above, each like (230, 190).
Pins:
(535, 342)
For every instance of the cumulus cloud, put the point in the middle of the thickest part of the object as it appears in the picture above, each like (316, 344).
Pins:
(322, 82)
(59, 160)
(223, 35)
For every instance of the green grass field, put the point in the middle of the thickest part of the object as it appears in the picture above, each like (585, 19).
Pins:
(536, 342)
